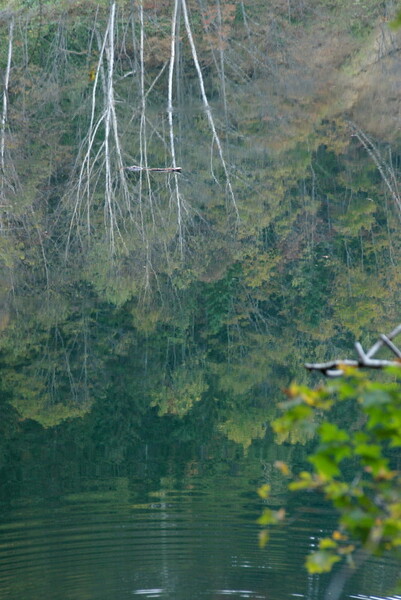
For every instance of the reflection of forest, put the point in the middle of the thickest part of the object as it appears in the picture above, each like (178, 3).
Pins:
(200, 295)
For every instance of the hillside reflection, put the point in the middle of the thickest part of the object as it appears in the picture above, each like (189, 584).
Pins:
(151, 319)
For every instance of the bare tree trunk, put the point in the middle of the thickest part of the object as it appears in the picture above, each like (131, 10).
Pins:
(144, 150)
(5, 107)
(206, 105)
(108, 157)
(222, 66)
(170, 120)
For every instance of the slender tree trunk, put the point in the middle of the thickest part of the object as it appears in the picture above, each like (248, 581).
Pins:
(108, 157)
(170, 119)
(4, 115)
(206, 105)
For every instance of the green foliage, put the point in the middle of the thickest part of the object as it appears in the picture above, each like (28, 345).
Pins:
(244, 428)
(268, 517)
(351, 466)
(217, 299)
(185, 387)
(396, 22)
(308, 243)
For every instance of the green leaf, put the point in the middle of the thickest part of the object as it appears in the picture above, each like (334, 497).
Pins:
(325, 466)
(296, 413)
(337, 489)
(264, 491)
(375, 397)
(331, 433)
(340, 452)
(368, 450)
(326, 543)
(302, 483)
(321, 561)
(268, 517)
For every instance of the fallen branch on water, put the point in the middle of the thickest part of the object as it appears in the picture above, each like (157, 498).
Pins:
(136, 169)
(365, 359)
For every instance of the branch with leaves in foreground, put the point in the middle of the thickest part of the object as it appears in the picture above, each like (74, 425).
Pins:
(351, 466)
(335, 368)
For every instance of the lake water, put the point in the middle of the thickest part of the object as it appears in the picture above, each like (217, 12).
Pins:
(175, 527)
(150, 320)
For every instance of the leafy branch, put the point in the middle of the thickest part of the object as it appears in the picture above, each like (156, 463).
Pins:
(352, 467)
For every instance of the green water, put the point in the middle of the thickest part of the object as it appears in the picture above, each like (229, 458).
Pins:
(168, 521)
(149, 322)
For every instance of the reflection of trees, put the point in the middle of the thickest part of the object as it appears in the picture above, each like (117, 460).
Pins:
(169, 311)
(224, 276)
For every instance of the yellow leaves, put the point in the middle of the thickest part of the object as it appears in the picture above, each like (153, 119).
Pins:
(360, 215)
(303, 482)
(395, 510)
(264, 491)
(283, 468)
(280, 514)
(260, 267)
(245, 429)
(338, 536)
(263, 538)
(317, 398)
(346, 550)
(383, 474)
(293, 390)
(269, 516)
(326, 543)
(321, 561)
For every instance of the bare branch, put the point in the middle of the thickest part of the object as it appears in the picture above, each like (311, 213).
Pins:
(385, 169)
(5, 101)
(206, 105)
(170, 119)
(334, 368)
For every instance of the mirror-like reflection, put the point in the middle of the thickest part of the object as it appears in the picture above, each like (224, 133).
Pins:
(150, 318)
(117, 535)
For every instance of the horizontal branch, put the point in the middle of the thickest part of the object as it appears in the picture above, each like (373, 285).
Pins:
(136, 169)
(334, 368)
(337, 364)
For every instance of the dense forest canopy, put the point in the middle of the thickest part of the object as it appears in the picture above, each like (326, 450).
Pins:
(202, 292)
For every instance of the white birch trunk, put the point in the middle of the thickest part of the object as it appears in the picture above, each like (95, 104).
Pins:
(4, 115)
(206, 105)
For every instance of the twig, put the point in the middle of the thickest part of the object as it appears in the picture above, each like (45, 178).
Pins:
(386, 171)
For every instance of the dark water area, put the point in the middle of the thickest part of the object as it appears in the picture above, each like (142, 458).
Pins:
(169, 522)
(152, 319)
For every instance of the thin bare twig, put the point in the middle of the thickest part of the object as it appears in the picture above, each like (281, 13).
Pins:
(385, 169)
